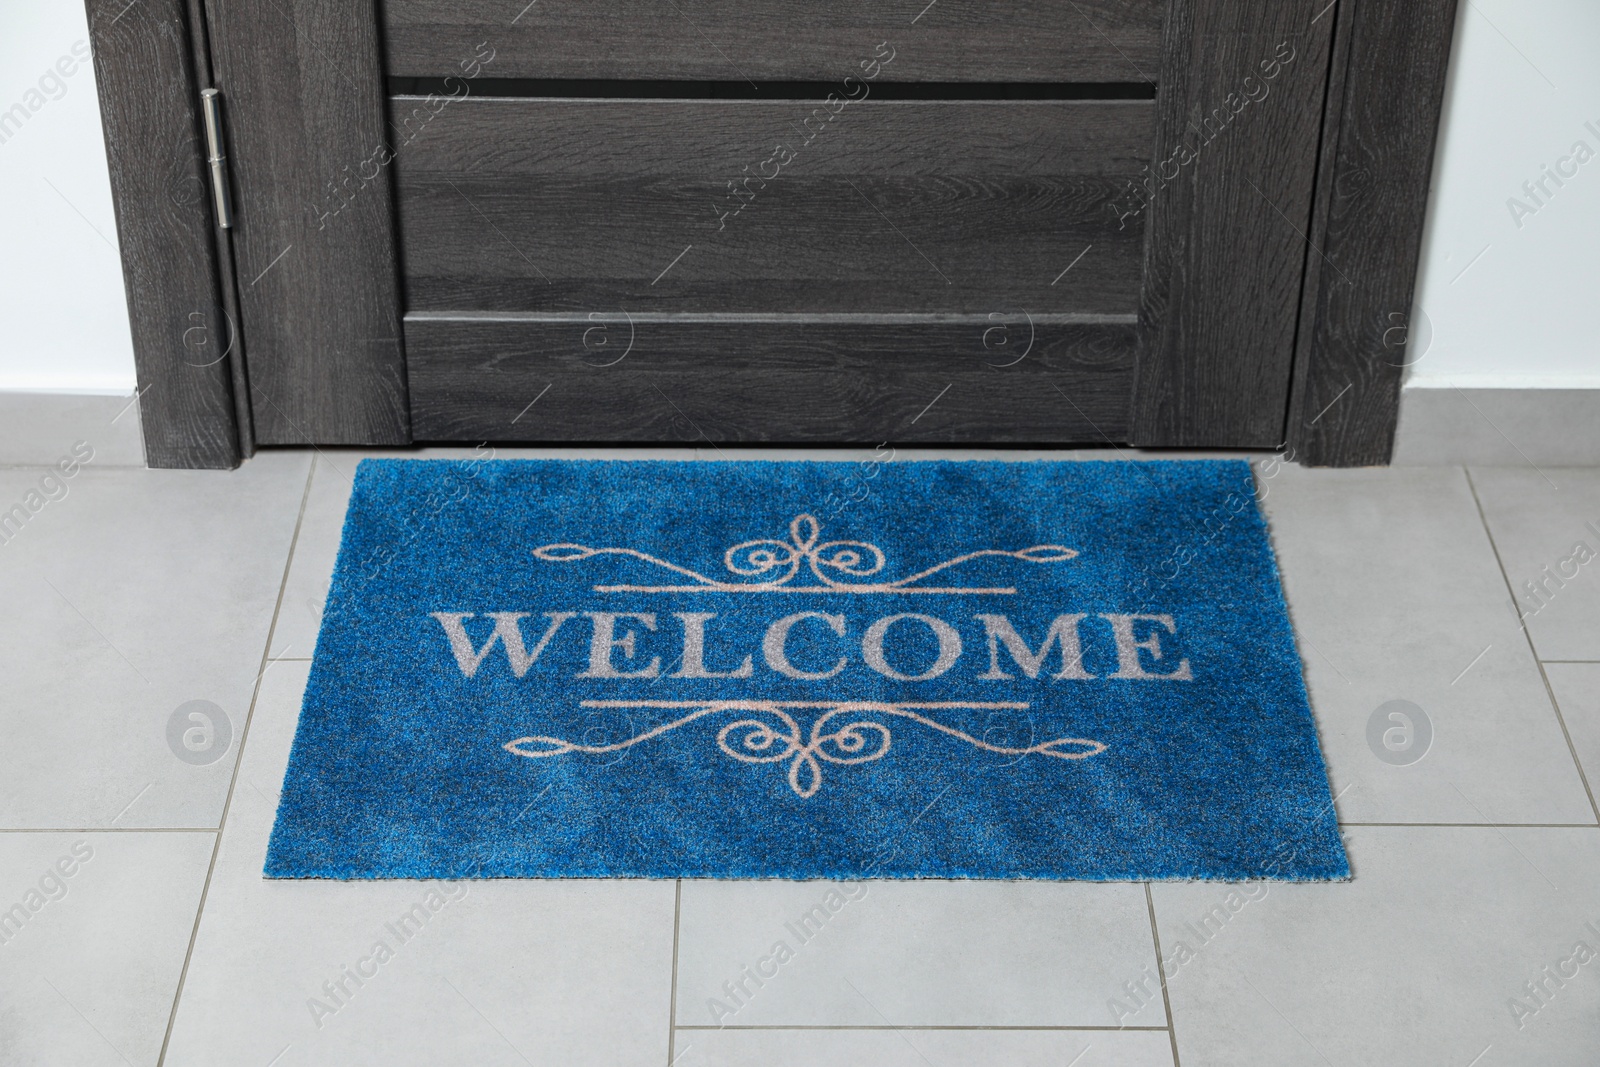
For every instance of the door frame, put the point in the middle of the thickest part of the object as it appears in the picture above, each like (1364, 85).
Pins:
(1382, 94)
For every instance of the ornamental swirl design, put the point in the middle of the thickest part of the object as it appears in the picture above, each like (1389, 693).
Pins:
(771, 565)
(770, 734)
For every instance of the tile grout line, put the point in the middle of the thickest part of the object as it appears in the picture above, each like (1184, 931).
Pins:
(1486, 825)
(108, 830)
(1511, 592)
(672, 1000)
(1161, 973)
(847, 1028)
(1561, 719)
(238, 763)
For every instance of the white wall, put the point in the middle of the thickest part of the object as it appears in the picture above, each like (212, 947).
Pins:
(1513, 299)
(63, 311)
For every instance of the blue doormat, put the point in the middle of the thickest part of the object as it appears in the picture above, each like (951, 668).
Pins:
(806, 670)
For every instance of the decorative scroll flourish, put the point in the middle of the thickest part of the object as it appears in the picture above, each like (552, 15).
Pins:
(769, 734)
(769, 566)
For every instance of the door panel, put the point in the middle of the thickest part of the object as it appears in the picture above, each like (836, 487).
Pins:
(764, 40)
(997, 174)
(891, 207)
(863, 379)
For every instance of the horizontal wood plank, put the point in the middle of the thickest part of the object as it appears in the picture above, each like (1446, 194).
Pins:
(905, 206)
(953, 40)
(721, 379)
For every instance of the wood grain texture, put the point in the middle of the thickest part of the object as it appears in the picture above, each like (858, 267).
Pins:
(515, 204)
(952, 40)
(1371, 204)
(148, 110)
(313, 239)
(222, 243)
(830, 379)
(1232, 180)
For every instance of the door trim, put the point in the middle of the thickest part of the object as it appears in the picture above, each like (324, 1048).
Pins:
(1385, 93)
(145, 75)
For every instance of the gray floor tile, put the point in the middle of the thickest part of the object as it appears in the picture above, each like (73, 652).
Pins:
(918, 953)
(1539, 519)
(921, 1048)
(1395, 594)
(503, 972)
(1418, 960)
(90, 962)
(311, 571)
(1577, 690)
(137, 592)
(141, 590)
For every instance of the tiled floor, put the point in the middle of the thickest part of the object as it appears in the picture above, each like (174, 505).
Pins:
(152, 937)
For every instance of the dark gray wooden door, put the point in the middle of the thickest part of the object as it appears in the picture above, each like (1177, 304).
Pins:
(822, 221)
